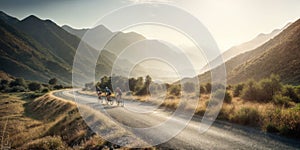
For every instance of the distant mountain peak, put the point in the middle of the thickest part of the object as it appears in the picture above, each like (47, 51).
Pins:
(31, 18)
(8, 19)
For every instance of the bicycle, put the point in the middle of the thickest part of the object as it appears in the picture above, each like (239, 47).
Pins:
(109, 100)
(119, 100)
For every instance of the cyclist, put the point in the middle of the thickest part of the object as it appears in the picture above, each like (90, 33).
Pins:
(119, 94)
(108, 93)
(99, 92)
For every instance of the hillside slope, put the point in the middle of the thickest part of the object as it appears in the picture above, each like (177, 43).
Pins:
(39, 50)
(21, 56)
(234, 51)
(275, 56)
(279, 56)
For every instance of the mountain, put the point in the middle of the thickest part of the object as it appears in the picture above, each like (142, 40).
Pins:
(244, 47)
(116, 41)
(21, 56)
(252, 44)
(279, 56)
(77, 32)
(39, 49)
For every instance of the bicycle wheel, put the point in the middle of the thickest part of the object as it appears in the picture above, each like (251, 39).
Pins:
(111, 102)
(118, 102)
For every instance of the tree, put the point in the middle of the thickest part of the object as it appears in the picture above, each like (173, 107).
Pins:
(34, 86)
(250, 90)
(139, 84)
(208, 87)
(290, 92)
(223, 94)
(105, 82)
(132, 83)
(202, 89)
(4, 82)
(145, 87)
(53, 81)
(175, 89)
(268, 88)
(237, 90)
(18, 82)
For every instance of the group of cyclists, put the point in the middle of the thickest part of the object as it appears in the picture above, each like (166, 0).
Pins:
(107, 94)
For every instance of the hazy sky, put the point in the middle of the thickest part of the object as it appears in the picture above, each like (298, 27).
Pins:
(230, 21)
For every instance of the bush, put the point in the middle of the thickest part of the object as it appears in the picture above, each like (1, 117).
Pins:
(34, 86)
(250, 90)
(282, 100)
(175, 89)
(3, 88)
(290, 91)
(18, 82)
(228, 97)
(268, 88)
(208, 87)
(32, 95)
(286, 121)
(238, 90)
(189, 87)
(247, 116)
(58, 87)
(220, 93)
(4, 82)
(202, 89)
(45, 90)
(52, 81)
(47, 143)
(16, 89)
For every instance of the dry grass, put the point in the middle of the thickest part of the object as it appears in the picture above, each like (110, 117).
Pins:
(264, 115)
(286, 120)
(43, 121)
(49, 122)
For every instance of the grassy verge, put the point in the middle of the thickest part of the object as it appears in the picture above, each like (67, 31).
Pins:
(266, 116)
(44, 123)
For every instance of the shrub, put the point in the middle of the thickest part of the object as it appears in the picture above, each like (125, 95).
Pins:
(247, 116)
(228, 97)
(202, 89)
(289, 91)
(219, 94)
(268, 88)
(45, 90)
(52, 81)
(47, 143)
(58, 87)
(237, 90)
(18, 82)
(16, 89)
(189, 87)
(32, 95)
(208, 87)
(281, 100)
(3, 88)
(286, 121)
(4, 82)
(34, 86)
(250, 90)
(175, 89)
